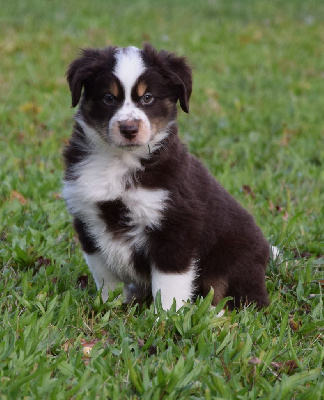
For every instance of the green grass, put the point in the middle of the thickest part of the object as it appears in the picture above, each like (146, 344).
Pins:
(256, 120)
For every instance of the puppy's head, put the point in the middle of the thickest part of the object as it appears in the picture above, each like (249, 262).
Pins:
(129, 95)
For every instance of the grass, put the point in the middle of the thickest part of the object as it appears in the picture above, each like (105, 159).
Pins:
(256, 121)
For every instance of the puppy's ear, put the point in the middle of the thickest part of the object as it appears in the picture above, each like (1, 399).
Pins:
(77, 73)
(180, 73)
(90, 61)
(173, 68)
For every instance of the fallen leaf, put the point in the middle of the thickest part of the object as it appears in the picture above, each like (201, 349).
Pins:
(57, 196)
(91, 343)
(285, 216)
(226, 370)
(16, 195)
(30, 107)
(248, 191)
(289, 365)
(303, 254)
(251, 36)
(35, 368)
(321, 282)
(21, 137)
(67, 345)
(254, 361)
(294, 325)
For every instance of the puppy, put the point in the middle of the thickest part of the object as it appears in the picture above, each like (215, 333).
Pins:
(147, 212)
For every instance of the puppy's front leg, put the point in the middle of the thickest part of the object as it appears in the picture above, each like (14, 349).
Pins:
(178, 286)
(105, 279)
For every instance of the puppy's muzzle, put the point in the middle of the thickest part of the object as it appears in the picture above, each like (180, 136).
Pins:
(129, 129)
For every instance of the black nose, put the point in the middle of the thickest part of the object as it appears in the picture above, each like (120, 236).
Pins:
(129, 129)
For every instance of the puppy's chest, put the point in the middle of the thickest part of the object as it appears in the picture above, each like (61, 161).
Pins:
(122, 229)
(102, 192)
(134, 213)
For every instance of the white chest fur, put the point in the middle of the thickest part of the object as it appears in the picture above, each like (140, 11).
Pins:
(101, 179)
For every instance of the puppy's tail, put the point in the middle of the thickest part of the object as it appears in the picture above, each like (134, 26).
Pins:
(275, 253)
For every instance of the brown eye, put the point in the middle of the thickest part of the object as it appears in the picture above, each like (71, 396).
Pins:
(109, 99)
(147, 99)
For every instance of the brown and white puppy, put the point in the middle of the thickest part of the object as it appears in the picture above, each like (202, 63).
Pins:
(146, 211)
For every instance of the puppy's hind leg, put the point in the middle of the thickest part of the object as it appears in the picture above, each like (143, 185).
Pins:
(220, 286)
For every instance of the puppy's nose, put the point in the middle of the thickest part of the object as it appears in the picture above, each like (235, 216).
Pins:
(129, 129)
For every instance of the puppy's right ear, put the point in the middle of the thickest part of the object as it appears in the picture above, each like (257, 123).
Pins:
(89, 63)
(76, 74)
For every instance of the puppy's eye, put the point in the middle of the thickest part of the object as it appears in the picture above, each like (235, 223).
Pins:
(109, 99)
(147, 99)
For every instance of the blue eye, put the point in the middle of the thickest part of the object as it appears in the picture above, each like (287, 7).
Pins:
(109, 99)
(147, 98)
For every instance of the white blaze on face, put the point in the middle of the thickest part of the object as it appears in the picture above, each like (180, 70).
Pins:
(129, 67)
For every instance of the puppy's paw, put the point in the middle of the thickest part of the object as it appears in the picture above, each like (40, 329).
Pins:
(134, 294)
(220, 313)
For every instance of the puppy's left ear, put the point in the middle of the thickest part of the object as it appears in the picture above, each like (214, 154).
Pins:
(175, 69)
(181, 75)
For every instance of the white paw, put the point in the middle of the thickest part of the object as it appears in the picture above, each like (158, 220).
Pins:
(221, 313)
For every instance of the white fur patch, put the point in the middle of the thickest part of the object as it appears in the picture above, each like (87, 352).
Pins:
(129, 112)
(129, 67)
(173, 286)
(146, 211)
(145, 206)
(100, 178)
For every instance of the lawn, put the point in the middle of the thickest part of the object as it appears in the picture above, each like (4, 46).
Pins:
(256, 120)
